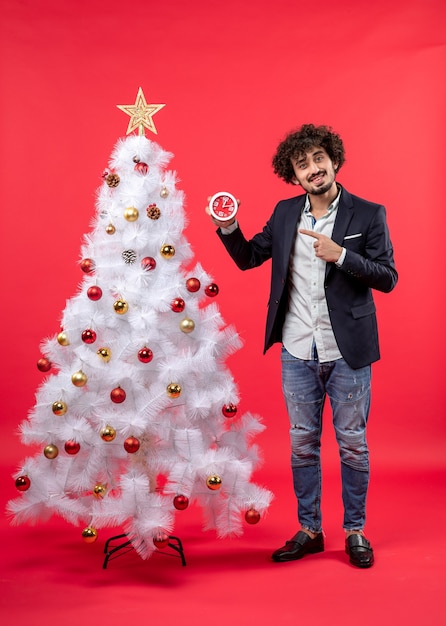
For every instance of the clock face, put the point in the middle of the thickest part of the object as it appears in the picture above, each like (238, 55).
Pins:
(223, 206)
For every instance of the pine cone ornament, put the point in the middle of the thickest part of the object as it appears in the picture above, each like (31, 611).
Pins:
(153, 212)
(129, 256)
(112, 180)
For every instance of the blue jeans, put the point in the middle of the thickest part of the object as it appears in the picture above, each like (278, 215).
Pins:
(305, 385)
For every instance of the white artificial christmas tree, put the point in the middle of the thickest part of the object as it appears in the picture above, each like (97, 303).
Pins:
(138, 415)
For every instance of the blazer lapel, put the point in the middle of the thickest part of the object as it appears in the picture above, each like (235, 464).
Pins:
(343, 216)
(292, 219)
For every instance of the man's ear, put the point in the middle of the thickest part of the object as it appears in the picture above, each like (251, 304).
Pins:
(335, 166)
(295, 181)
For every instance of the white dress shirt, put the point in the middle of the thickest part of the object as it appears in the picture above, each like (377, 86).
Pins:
(307, 322)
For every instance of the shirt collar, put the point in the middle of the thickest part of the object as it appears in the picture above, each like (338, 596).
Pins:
(333, 206)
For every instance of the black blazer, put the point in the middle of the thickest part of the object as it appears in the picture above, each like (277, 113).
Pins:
(361, 228)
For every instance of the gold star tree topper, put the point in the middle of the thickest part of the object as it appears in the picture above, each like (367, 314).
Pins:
(141, 114)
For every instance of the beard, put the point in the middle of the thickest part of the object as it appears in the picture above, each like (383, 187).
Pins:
(319, 191)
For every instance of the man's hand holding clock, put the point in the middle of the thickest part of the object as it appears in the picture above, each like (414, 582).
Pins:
(222, 207)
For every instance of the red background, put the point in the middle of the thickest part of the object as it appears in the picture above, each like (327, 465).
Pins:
(235, 77)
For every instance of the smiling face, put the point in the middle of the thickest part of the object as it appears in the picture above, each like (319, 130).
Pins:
(314, 171)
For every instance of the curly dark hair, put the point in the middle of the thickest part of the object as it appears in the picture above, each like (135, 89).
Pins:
(301, 141)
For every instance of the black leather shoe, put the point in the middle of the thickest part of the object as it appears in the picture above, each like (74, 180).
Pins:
(359, 550)
(300, 545)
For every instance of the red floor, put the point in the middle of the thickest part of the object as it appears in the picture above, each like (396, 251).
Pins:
(48, 575)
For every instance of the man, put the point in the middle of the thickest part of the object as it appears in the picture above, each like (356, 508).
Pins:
(329, 249)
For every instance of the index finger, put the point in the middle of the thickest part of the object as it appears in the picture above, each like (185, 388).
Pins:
(311, 233)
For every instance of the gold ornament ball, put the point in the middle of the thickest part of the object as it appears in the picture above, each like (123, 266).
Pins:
(121, 307)
(59, 407)
(51, 451)
(62, 339)
(131, 214)
(105, 354)
(99, 490)
(110, 229)
(213, 482)
(164, 192)
(187, 325)
(79, 379)
(108, 433)
(174, 390)
(167, 251)
(89, 535)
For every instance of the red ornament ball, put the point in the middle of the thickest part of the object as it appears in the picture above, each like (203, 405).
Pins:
(211, 290)
(88, 336)
(178, 305)
(72, 447)
(193, 284)
(148, 263)
(131, 445)
(145, 355)
(87, 265)
(252, 516)
(94, 293)
(44, 365)
(117, 395)
(161, 540)
(141, 168)
(181, 502)
(229, 410)
(23, 483)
